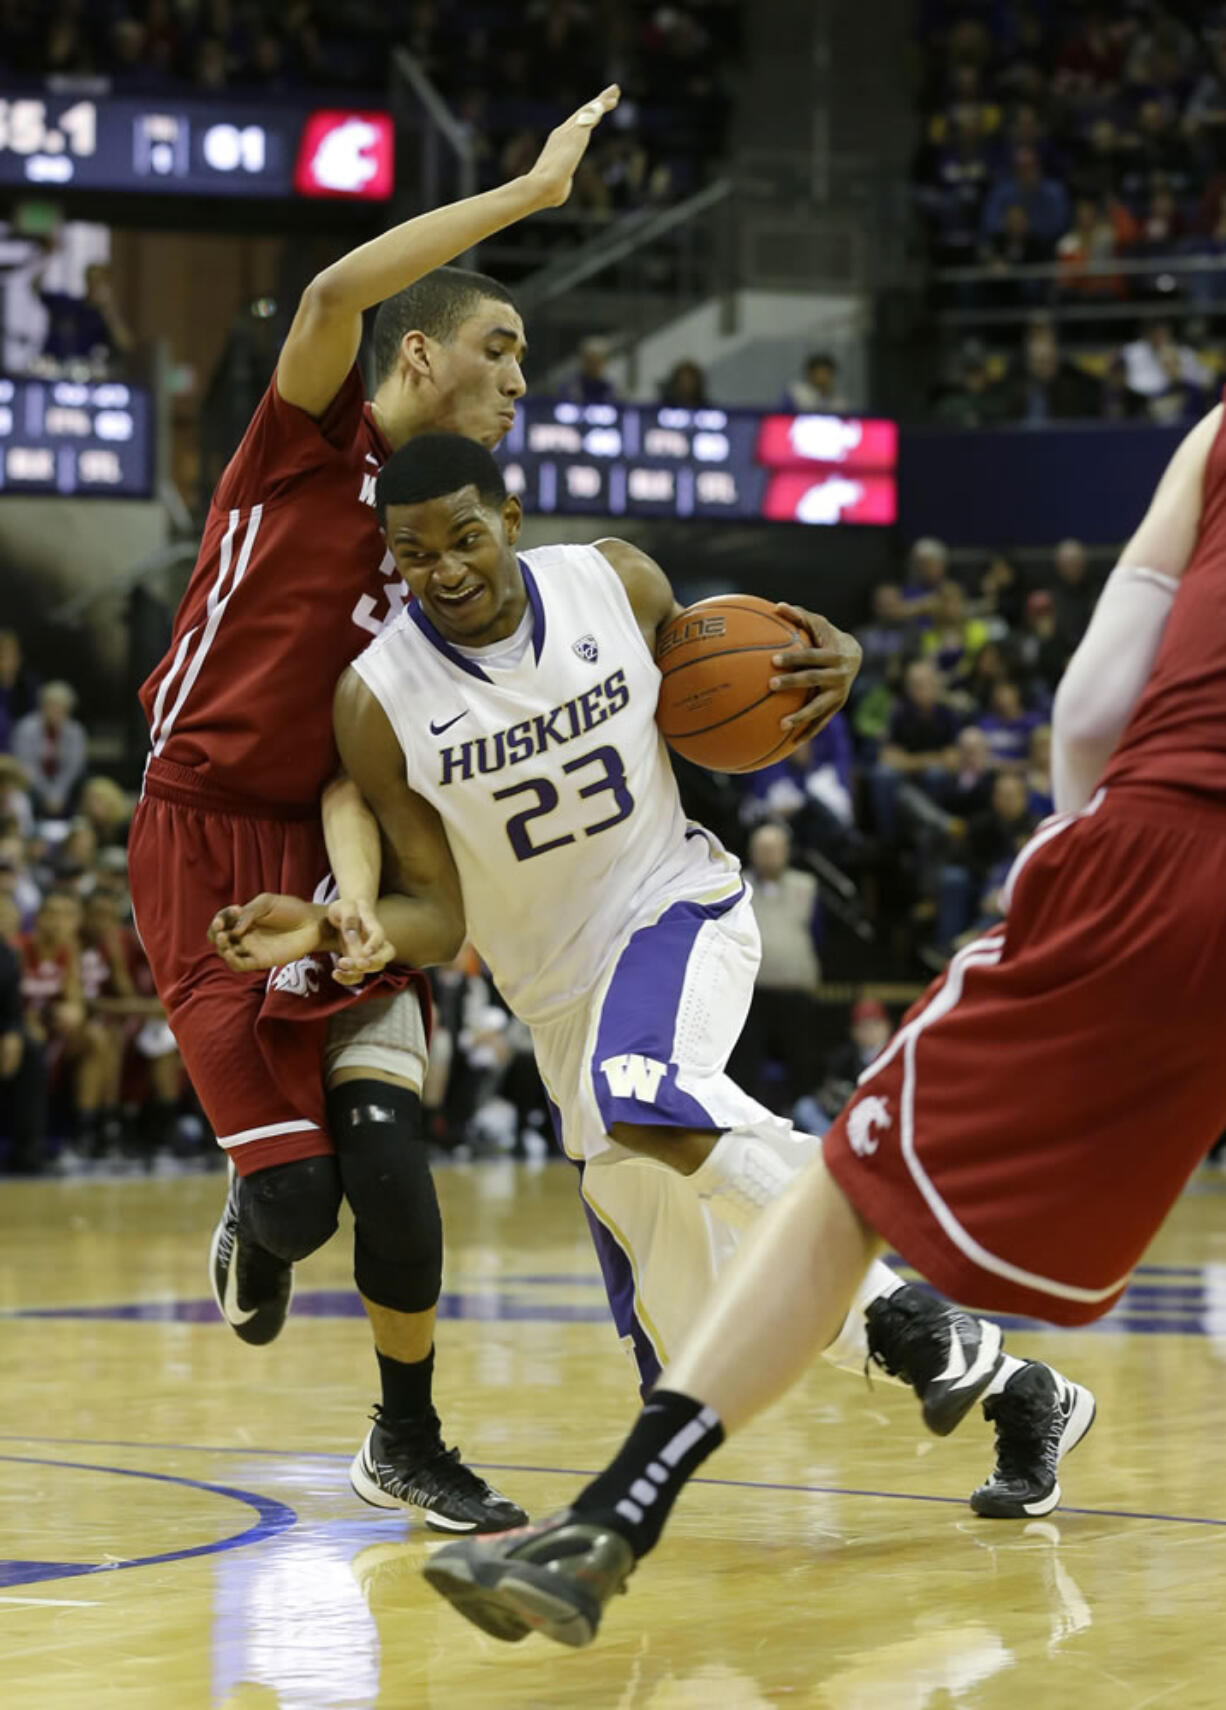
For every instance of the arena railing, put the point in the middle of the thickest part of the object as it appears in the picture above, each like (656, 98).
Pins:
(1067, 279)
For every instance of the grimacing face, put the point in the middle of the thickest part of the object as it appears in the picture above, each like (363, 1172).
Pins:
(457, 554)
(478, 375)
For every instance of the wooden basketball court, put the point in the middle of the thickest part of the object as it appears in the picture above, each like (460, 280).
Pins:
(177, 1530)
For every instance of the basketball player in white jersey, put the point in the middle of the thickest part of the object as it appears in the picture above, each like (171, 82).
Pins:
(503, 732)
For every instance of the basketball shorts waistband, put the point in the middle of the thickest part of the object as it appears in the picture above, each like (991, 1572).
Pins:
(168, 782)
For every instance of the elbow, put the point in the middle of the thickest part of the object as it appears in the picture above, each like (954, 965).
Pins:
(451, 939)
(324, 295)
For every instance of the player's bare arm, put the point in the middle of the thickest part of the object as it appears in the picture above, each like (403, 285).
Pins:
(1108, 673)
(827, 669)
(327, 329)
(355, 856)
(422, 913)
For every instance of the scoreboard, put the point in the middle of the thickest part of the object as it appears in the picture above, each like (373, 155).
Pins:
(631, 460)
(194, 147)
(88, 437)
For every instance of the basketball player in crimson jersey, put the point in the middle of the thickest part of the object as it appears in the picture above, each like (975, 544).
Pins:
(1039, 1110)
(291, 582)
(504, 732)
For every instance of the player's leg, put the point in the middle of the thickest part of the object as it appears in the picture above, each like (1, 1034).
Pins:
(778, 1303)
(664, 1029)
(375, 1070)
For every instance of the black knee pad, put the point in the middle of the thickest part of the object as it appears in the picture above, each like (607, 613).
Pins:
(291, 1209)
(398, 1231)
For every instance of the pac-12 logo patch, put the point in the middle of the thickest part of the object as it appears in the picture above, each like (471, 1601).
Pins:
(587, 649)
(866, 1121)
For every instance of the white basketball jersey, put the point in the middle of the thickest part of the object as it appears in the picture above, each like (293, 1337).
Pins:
(550, 776)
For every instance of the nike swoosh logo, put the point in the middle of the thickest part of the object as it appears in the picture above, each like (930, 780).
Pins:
(438, 729)
(955, 1368)
(234, 1312)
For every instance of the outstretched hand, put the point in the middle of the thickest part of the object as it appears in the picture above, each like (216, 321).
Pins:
(270, 931)
(828, 669)
(566, 146)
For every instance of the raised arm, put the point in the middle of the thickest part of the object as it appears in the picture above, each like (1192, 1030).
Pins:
(327, 329)
(828, 668)
(1108, 672)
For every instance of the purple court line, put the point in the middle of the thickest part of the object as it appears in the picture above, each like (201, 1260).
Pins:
(272, 1517)
(561, 1472)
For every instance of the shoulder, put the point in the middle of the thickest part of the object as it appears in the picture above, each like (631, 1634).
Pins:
(647, 587)
(284, 442)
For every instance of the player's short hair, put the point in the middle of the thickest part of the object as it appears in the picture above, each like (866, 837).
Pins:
(433, 464)
(435, 305)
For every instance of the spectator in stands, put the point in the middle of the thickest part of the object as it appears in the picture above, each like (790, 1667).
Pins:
(1150, 358)
(779, 1028)
(974, 773)
(1093, 239)
(870, 1033)
(999, 596)
(16, 808)
(973, 401)
(1181, 399)
(991, 666)
(74, 856)
(991, 843)
(1039, 650)
(1008, 724)
(920, 745)
(85, 329)
(591, 385)
(23, 1068)
(1038, 772)
(927, 570)
(18, 687)
(1047, 387)
(1012, 246)
(685, 388)
(1073, 591)
(812, 792)
(1156, 150)
(1044, 200)
(51, 746)
(56, 1017)
(817, 390)
(953, 637)
(16, 880)
(1117, 402)
(886, 637)
(108, 810)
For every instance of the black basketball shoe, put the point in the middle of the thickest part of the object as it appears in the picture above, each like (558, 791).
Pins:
(409, 1466)
(251, 1286)
(947, 1356)
(1039, 1417)
(553, 1578)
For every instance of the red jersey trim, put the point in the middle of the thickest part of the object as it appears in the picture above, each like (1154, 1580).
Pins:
(219, 598)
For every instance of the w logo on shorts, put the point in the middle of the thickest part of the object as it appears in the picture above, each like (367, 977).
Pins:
(587, 649)
(864, 1121)
(632, 1076)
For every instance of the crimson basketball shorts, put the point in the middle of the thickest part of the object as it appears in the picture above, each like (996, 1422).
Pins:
(1027, 1129)
(252, 1044)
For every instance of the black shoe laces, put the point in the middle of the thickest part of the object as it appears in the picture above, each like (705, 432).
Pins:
(903, 1343)
(418, 1444)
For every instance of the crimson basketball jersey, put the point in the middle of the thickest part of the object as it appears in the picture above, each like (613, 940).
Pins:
(291, 582)
(1177, 734)
(43, 977)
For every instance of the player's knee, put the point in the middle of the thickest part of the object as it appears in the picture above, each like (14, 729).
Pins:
(291, 1209)
(398, 1230)
(682, 1149)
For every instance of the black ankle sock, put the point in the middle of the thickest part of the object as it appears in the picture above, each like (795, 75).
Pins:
(406, 1388)
(635, 1494)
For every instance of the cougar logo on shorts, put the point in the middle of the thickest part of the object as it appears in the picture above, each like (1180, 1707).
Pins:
(299, 978)
(870, 1116)
(632, 1076)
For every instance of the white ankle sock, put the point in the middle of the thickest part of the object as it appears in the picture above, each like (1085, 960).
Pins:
(849, 1350)
(749, 1167)
(1008, 1365)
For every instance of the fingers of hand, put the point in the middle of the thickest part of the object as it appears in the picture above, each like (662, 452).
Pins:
(593, 111)
(814, 712)
(831, 678)
(807, 658)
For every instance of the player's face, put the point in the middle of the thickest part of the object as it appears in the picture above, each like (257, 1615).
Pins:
(478, 375)
(457, 553)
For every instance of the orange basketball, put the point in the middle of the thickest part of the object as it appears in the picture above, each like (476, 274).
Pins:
(716, 704)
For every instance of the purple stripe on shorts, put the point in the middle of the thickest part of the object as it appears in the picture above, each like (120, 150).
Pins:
(618, 1276)
(639, 1018)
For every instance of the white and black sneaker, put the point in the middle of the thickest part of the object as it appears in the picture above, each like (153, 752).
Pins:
(251, 1286)
(409, 1466)
(1039, 1417)
(947, 1356)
